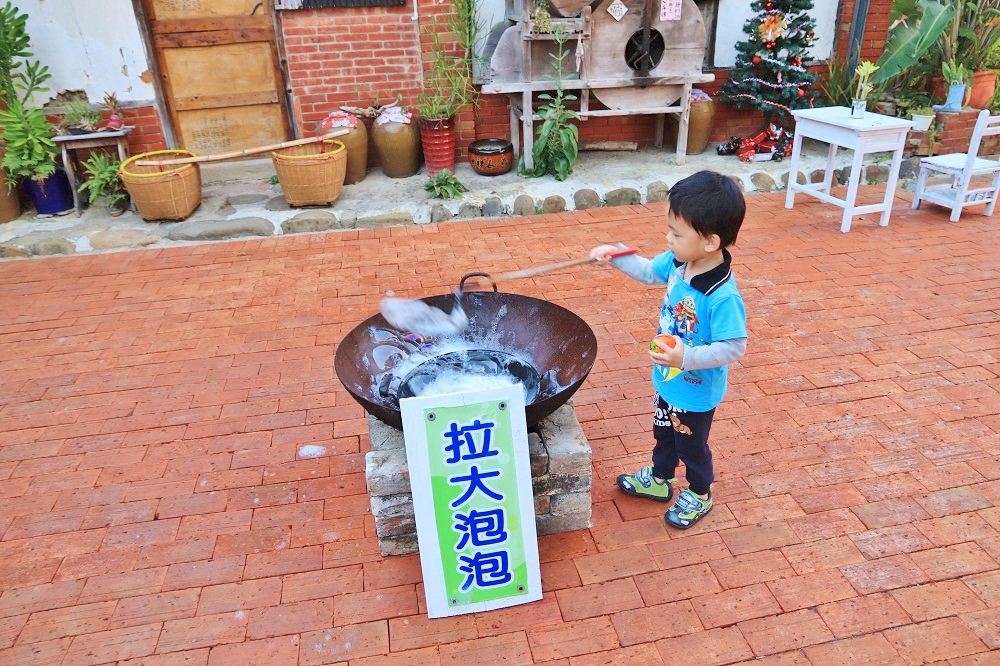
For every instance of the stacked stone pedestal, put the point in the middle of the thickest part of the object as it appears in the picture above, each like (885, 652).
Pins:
(560, 477)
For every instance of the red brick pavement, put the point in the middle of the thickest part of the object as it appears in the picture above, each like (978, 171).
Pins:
(153, 509)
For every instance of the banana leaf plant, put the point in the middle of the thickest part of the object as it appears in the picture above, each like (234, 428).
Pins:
(917, 28)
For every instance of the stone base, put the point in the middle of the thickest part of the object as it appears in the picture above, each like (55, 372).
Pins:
(560, 476)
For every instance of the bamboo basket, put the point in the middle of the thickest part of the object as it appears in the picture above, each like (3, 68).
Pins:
(312, 174)
(162, 192)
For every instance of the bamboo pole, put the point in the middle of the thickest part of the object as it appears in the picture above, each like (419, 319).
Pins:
(241, 153)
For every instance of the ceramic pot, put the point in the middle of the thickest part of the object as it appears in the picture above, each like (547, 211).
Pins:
(984, 83)
(52, 196)
(356, 143)
(437, 136)
(922, 123)
(491, 157)
(700, 126)
(10, 200)
(858, 109)
(398, 148)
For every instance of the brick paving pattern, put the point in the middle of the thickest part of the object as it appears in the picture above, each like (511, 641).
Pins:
(154, 508)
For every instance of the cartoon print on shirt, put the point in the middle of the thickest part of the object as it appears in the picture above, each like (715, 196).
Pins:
(685, 317)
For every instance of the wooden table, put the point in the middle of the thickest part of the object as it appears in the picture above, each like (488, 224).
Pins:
(871, 134)
(70, 143)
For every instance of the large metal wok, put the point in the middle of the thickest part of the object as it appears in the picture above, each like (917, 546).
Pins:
(376, 363)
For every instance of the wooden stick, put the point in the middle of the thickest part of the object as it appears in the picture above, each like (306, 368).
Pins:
(241, 153)
(539, 270)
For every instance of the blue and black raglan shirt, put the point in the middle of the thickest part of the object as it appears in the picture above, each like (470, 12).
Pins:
(707, 314)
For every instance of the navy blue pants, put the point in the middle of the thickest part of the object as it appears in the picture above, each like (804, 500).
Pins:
(682, 436)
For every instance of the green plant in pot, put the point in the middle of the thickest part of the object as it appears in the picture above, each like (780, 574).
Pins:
(447, 86)
(863, 87)
(957, 77)
(104, 182)
(922, 117)
(556, 147)
(80, 118)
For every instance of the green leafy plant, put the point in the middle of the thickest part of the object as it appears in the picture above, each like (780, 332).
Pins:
(836, 87)
(556, 147)
(955, 73)
(30, 152)
(863, 75)
(541, 19)
(448, 85)
(444, 185)
(916, 28)
(19, 77)
(972, 33)
(103, 181)
(80, 116)
(920, 111)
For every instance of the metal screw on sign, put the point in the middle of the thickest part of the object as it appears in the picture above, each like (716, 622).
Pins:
(520, 588)
(431, 416)
(454, 601)
(502, 406)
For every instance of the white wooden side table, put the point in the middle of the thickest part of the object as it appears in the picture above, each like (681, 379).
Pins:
(871, 134)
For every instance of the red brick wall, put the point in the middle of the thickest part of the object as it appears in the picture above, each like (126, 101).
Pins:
(148, 133)
(349, 56)
(954, 132)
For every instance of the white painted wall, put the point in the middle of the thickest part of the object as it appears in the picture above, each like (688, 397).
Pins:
(90, 45)
(733, 15)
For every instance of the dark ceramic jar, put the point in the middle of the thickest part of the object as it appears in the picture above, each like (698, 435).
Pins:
(491, 157)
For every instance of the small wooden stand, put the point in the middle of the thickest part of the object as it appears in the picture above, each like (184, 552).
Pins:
(70, 143)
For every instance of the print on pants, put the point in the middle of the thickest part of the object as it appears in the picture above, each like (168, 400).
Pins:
(682, 436)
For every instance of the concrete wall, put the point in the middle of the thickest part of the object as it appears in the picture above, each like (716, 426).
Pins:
(92, 46)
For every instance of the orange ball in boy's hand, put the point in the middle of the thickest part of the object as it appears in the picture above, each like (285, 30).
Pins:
(660, 343)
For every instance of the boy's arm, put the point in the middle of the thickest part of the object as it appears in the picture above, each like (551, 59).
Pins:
(632, 265)
(714, 355)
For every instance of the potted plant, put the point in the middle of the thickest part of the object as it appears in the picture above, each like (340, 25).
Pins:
(79, 117)
(922, 117)
(31, 157)
(447, 86)
(956, 76)
(969, 40)
(863, 87)
(104, 182)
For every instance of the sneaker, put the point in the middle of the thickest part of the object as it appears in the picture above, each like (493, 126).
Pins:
(688, 509)
(644, 484)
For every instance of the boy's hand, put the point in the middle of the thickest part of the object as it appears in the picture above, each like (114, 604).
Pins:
(671, 357)
(601, 252)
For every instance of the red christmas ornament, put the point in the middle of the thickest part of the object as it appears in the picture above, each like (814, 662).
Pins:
(756, 59)
(769, 6)
(770, 45)
(797, 61)
(802, 93)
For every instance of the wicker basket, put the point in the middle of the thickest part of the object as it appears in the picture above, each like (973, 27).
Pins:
(311, 174)
(168, 192)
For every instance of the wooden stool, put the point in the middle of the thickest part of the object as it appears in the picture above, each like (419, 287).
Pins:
(75, 142)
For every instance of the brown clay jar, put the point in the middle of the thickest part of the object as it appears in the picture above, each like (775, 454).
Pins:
(356, 143)
(398, 148)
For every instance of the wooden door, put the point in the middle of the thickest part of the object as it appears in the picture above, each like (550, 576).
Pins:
(219, 65)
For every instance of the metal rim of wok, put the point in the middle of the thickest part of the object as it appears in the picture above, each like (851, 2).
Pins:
(560, 345)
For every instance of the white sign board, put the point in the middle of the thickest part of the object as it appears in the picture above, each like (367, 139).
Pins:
(470, 475)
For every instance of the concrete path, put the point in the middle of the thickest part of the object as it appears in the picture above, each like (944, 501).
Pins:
(238, 200)
(154, 508)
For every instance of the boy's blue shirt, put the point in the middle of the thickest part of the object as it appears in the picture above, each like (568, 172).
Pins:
(708, 310)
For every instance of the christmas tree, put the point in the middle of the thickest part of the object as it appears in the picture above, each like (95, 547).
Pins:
(769, 74)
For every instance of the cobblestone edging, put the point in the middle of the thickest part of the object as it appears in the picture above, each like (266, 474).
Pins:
(560, 475)
(214, 221)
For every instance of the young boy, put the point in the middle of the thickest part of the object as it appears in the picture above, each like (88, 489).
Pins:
(704, 317)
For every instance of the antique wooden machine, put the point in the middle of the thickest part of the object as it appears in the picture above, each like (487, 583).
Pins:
(634, 56)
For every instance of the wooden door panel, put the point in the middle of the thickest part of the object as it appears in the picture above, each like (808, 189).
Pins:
(235, 68)
(221, 130)
(218, 62)
(200, 9)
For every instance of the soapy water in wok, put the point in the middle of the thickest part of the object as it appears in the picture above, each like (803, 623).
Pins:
(509, 339)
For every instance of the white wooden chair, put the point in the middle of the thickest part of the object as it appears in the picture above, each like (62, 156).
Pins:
(961, 168)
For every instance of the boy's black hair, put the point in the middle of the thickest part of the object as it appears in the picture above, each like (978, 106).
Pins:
(711, 203)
